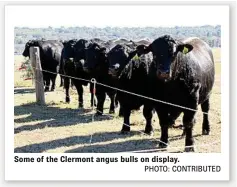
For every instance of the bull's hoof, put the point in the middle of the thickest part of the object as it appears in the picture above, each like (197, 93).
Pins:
(111, 111)
(205, 132)
(46, 90)
(150, 133)
(149, 130)
(125, 129)
(80, 105)
(189, 149)
(67, 100)
(99, 113)
(162, 145)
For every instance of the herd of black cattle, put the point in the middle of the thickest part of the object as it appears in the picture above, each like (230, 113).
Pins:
(174, 71)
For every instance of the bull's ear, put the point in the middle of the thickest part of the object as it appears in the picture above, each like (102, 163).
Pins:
(143, 49)
(132, 55)
(184, 48)
(64, 43)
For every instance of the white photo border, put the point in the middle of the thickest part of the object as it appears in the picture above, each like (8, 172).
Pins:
(55, 171)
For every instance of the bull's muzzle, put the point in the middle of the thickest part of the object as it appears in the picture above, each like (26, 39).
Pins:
(24, 53)
(112, 72)
(163, 75)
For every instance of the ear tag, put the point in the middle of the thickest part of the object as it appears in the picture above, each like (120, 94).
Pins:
(185, 50)
(135, 57)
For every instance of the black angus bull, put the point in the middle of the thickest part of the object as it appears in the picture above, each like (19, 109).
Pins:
(130, 73)
(96, 64)
(73, 56)
(182, 73)
(50, 57)
(118, 58)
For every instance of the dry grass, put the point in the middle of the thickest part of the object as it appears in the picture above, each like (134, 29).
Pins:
(217, 54)
(60, 127)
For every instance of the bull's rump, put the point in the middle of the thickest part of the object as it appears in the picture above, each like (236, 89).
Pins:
(196, 69)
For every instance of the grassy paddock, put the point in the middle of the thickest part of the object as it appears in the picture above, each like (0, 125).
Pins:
(60, 127)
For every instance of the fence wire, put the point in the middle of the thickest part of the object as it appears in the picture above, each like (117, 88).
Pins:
(125, 91)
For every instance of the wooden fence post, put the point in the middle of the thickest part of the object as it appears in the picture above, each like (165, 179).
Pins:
(37, 70)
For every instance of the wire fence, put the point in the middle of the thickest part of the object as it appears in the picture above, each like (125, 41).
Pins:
(128, 92)
(94, 82)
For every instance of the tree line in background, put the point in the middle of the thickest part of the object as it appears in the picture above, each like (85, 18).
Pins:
(210, 34)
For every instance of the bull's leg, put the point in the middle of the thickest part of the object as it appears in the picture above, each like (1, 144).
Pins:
(120, 105)
(47, 83)
(79, 88)
(92, 97)
(116, 101)
(188, 121)
(126, 122)
(72, 84)
(46, 77)
(112, 104)
(121, 113)
(174, 114)
(100, 105)
(147, 113)
(66, 85)
(205, 124)
(61, 81)
(163, 118)
(53, 79)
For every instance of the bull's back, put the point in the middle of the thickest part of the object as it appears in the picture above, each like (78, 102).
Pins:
(200, 60)
(201, 51)
(52, 50)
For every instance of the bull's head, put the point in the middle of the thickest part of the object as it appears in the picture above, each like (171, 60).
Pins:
(68, 50)
(165, 50)
(118, 58)
(79, 50)
(30, 43)
(95, 56)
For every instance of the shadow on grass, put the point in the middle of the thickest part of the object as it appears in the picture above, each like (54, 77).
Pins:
(55, 116)
(84, 139)
(126, 146)
(24, 90)
(179, 137)
(143, 146)
(99, 144)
